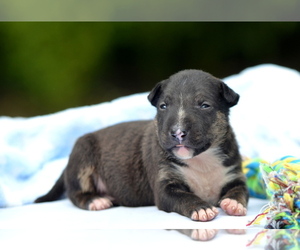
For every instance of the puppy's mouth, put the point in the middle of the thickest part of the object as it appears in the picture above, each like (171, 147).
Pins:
(184, 152)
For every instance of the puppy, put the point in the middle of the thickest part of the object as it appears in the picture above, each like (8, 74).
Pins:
(186, 160)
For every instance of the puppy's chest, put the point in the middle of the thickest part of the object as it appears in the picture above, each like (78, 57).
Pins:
(206, 176)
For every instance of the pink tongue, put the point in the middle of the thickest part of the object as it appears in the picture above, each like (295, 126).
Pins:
(183, 151)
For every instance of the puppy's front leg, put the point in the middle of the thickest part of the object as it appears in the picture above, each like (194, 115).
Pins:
(173, 195)
(235, 198)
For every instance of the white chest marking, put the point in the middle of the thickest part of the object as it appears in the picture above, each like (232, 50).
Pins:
(206, 175)
(181, 112)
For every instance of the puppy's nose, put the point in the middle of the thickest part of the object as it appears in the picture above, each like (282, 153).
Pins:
(179, 134)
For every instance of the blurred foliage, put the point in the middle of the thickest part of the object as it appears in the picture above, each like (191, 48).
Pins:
(47, 67)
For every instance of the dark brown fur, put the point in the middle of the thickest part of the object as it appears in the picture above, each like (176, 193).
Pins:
(137, 163)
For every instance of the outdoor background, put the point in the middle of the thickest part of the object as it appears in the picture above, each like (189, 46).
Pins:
(48, 67)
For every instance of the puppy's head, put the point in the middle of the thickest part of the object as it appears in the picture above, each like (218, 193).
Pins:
(192, 112)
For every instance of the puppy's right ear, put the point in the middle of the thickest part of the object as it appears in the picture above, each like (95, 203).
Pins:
(156, 92)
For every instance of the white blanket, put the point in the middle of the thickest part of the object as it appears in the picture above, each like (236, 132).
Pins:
(34, 151)
(61, 225)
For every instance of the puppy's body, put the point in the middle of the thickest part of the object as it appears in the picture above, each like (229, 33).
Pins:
(186, 160)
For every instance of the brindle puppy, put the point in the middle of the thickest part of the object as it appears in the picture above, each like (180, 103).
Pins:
(186, 160)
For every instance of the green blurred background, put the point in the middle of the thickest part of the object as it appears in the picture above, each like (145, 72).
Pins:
(47, 67)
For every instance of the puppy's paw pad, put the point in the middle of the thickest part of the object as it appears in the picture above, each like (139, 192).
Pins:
(205, 214)
(232, 207)
(203, 234)
(100, 204)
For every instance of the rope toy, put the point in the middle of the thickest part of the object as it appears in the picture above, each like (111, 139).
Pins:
(282, 179)
(284, 239)
(255, 182)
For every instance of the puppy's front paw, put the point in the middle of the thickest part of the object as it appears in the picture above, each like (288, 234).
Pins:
(232, 207)
(205, 214)
(100, 204)
(203, 234)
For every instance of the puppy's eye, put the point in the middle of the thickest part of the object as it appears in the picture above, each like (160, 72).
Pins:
(204, 105)
(163, 106)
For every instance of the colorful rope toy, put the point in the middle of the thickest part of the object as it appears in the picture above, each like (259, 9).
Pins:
(255, 182)
(284, 239)
(282, 179)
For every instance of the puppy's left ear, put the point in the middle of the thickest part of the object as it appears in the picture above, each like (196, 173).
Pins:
(156, 92)
(229, 95)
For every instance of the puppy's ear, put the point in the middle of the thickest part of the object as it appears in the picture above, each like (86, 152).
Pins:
(229, 95)
(156, 92)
